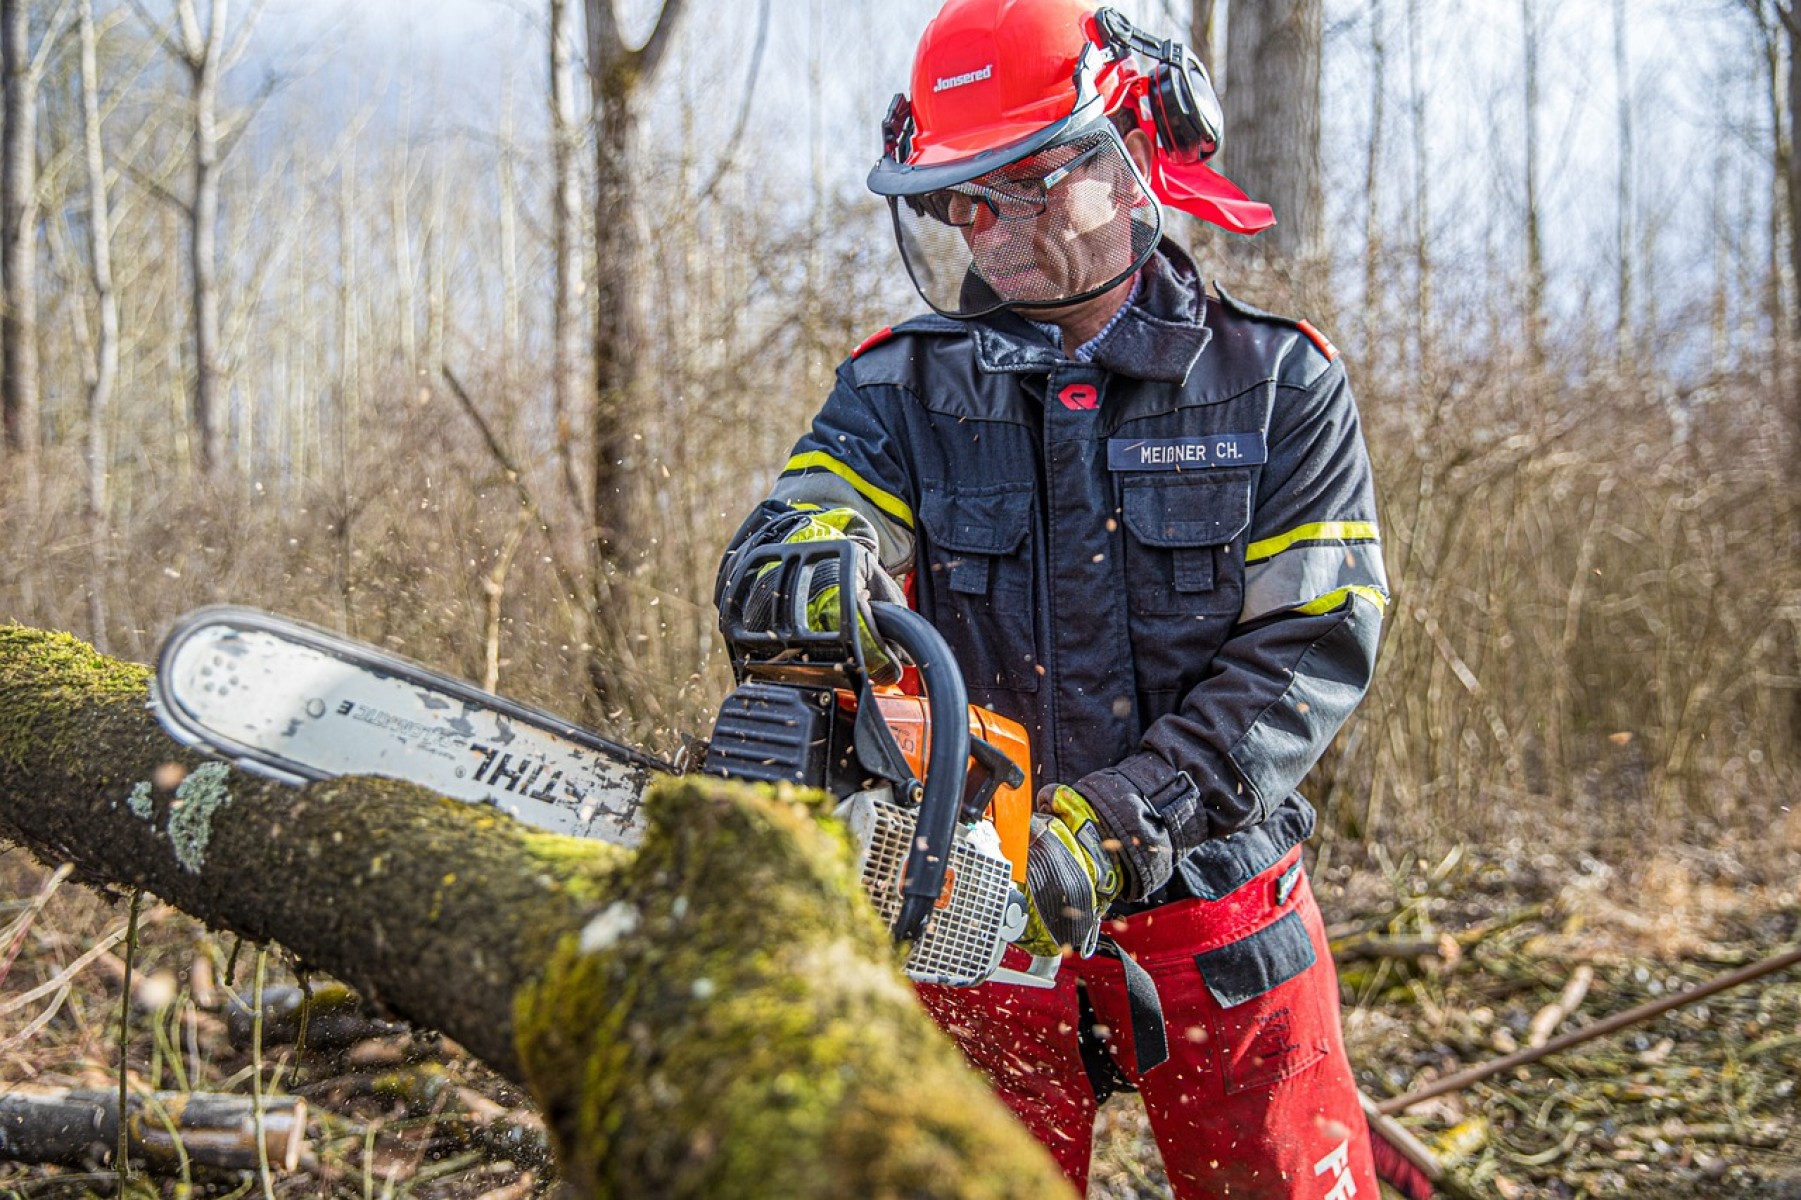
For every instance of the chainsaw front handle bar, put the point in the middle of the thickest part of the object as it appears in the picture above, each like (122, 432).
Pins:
(947, 760)
(763, 613)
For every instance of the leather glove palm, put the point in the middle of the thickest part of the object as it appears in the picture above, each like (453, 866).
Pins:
(869, 582)
(1072, 875)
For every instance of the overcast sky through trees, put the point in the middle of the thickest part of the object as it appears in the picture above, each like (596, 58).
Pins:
(828, 68)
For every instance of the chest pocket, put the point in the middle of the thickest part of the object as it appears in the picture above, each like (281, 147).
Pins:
(1185, 549)
(979, 572)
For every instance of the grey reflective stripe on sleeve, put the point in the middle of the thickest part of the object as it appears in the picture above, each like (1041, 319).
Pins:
(1302, 574)
(1328, 682)
(829, 489)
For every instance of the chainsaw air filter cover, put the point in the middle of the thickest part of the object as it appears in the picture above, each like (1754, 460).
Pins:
(980, 911)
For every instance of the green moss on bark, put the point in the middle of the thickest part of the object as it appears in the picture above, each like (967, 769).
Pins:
(28, 656)
(747, 1034)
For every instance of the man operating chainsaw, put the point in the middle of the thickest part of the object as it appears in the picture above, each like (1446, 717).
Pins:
(1142, 517)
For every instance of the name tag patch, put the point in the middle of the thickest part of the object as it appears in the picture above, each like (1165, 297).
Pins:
(1187, 454)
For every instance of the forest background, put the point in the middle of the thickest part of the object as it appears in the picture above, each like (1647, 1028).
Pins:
(473, 329)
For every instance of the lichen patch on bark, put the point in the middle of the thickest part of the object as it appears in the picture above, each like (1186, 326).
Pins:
(200, 795)
(140, 803)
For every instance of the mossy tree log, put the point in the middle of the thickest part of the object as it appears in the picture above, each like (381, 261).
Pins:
(716, 1014)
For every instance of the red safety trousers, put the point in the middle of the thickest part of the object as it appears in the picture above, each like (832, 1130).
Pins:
(1257, 1098)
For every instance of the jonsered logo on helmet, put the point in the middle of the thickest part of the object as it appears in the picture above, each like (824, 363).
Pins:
(956, 81)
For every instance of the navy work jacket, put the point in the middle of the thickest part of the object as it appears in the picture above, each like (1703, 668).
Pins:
(1163, 562)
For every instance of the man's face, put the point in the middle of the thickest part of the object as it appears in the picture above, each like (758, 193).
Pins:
(1055, 225)
(1061, 223)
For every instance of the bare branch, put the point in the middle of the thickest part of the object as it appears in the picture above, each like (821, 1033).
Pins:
(48, 42)
(242, 41)
(158, 189)
(604, 43)
(650, 55)
(233, 129)
(194, 48)
(750, 92)
(161, 33)
(506, 462)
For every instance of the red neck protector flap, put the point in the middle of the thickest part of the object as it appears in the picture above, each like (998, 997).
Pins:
(1202, 192)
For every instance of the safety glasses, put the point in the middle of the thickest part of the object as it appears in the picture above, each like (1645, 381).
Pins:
(1017, 192)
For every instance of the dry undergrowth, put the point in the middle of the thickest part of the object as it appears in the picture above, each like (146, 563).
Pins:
(1699, 1102)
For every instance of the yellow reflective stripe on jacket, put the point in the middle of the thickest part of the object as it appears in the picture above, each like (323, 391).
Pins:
(1332, 600)
(888, 502)
(1322, 531)
(1314, 577)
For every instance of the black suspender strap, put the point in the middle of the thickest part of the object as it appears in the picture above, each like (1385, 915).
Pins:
(1150, 1040)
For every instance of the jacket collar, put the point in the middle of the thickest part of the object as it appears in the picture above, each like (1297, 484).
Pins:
(1158, 338)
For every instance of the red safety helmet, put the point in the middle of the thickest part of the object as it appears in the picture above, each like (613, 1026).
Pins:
(999, 89)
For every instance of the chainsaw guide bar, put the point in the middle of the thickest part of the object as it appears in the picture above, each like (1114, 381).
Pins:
(295, 703)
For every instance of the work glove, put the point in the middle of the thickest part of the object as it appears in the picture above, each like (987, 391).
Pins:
(1072, 874)
(869, 581)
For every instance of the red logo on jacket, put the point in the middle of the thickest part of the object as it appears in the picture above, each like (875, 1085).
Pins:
(1080, 396)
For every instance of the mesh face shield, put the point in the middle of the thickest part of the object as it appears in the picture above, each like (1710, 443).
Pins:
(1058, 225)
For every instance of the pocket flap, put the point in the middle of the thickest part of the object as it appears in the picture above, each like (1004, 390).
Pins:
(1198, 510)
(1244, 970)
(988, 521)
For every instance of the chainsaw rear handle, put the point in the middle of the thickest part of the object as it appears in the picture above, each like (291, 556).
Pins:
(947, 711)
(763, 614)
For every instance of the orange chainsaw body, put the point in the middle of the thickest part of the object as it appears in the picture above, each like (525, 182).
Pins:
(1010, 809)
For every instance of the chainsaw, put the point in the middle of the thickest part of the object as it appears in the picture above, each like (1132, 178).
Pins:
(933, 789)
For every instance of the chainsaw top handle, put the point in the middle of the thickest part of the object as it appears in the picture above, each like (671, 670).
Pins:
(763, 615)
(941, 800)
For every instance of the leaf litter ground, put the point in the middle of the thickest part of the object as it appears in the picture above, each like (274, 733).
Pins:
(1443, 964)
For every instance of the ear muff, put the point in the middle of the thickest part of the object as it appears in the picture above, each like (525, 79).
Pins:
(1185, 111)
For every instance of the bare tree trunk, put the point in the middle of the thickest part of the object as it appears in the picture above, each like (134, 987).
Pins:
(202, 51)
(203, 73)
(508, 220)
(437, 254)
(1535, 261)
(106, 349)
(1791, 23)
(566, 217)
(350, 388)
(716, 1014)
(1774, 34)
(619, 326)
(19, 214)
(1272, 115)
(405, 272)
(1628, 165)
(1422, 195)
(1200, 31)
(1373, 248)
(617, 76)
